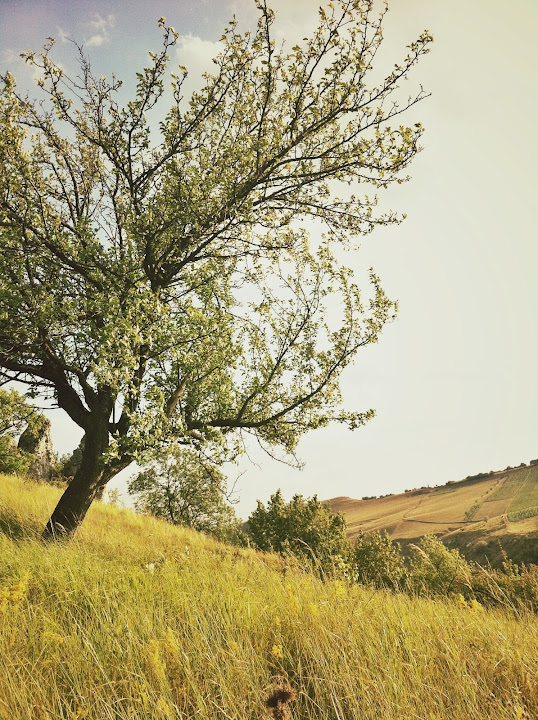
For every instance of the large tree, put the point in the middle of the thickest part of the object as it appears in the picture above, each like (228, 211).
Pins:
(156, 272)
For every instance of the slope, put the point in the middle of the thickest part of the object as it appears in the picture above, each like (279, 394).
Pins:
(482, 515)
(137, 619)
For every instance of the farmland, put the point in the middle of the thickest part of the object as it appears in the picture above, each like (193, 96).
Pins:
(481, 516)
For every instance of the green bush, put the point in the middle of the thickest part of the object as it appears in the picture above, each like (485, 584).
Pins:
(378, 561)
(303, 528)
(12, 460)
(514, 586)
(436, 570)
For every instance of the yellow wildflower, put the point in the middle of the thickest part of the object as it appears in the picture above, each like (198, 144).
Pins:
(276, 651)
(294, 603)
(156, 662)
(164, 709)
(14, 593)
(235, 648)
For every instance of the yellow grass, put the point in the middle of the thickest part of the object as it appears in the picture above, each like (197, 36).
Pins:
(137, 619)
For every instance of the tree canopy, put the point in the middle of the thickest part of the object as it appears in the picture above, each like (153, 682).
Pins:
(157, 277)
(16, 415)
(186, 489)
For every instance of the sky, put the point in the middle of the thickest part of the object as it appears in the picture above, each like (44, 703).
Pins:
(454, 381)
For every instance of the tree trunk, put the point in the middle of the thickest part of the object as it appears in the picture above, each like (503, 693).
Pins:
(88, 483)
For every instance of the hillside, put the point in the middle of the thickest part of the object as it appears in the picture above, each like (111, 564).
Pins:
(138, 619)
(481, 516)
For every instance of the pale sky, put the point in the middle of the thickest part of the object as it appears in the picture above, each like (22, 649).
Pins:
(454, 380)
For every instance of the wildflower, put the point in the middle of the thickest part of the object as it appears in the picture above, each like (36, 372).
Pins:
(163, 708)
(13, 594)
(150, 567)
(294, 603)
(170, 643)
(52, 638)
(235, 648)
(156, 662)
(276, 651)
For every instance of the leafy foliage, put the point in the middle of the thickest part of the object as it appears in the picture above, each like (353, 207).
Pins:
(15, 415)
(185, 490)
(303, 528)
(157, 278)
(378, 561)
(15, 412)
(436, 570)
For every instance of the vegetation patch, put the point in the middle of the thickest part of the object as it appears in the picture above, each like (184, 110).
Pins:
(512, 483)
(471, 512)
(523, 514)
(174, 624)
(527, 495)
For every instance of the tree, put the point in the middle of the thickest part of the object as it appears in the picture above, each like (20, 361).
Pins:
(15, 416)
(378, 561)
(185, 489)
(156, 277)
(304, 527)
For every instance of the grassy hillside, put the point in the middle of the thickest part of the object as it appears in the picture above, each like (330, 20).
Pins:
(482, 516)
(138, 619)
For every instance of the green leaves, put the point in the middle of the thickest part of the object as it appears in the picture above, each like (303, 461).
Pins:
(303, 528)
(185, 489)
(160, 275)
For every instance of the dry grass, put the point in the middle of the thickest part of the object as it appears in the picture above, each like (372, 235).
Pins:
(137, 619)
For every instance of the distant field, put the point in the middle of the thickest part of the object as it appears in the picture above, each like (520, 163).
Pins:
(527, 495)
(472, 513)
(511, 486)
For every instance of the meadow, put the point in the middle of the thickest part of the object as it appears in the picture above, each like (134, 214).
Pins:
(138, 619)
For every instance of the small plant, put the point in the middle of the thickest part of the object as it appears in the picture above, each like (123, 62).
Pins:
(279, 699)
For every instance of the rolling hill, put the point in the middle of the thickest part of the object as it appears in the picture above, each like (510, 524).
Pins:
(486, 516)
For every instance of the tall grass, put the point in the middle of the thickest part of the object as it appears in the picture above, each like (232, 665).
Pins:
(138, 619)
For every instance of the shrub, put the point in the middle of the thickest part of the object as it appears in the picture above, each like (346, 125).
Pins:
(12, 460)
(436, 570)
(378, 561)
(515, 585)
(303, 528)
